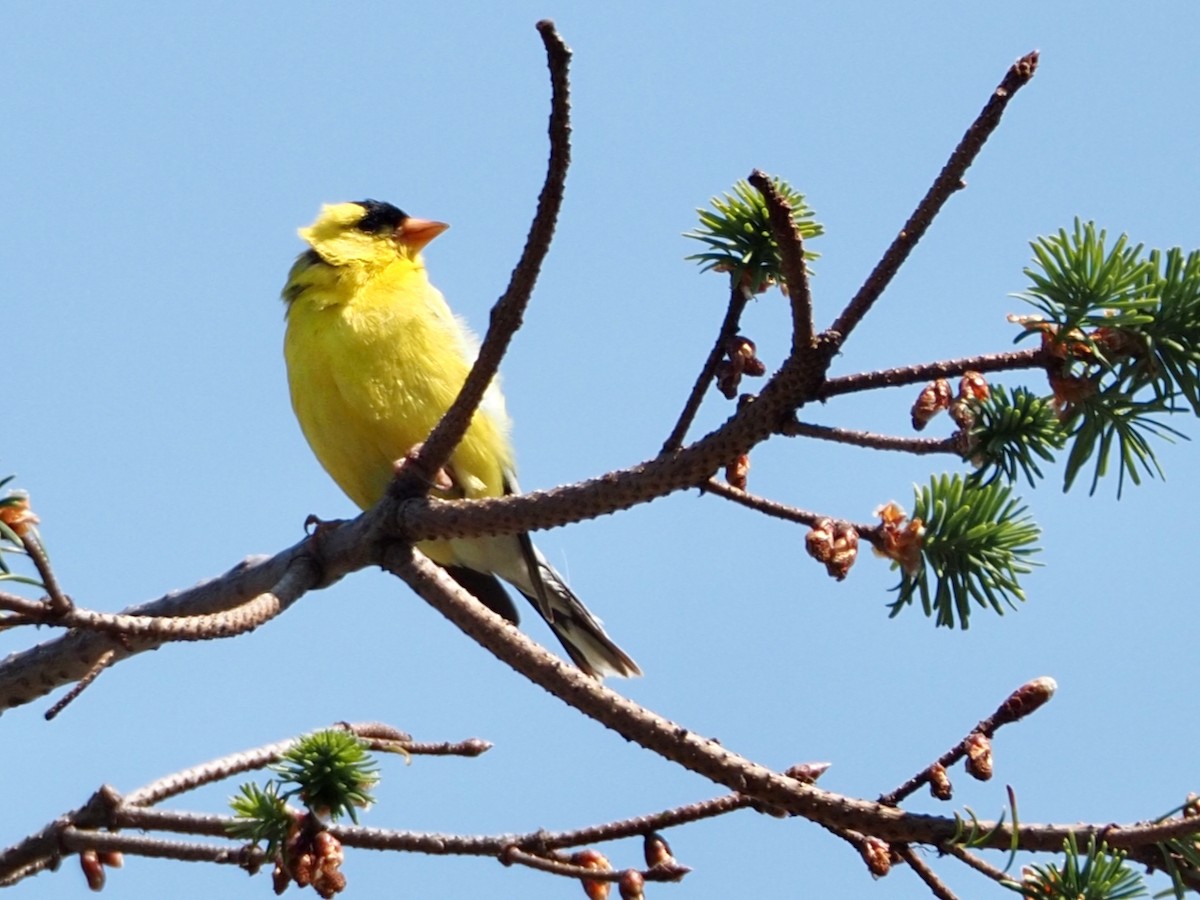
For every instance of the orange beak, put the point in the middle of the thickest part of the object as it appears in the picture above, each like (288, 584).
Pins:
(416, 233)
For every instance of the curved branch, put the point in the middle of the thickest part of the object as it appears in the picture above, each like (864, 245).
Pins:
(738, 298)
(510, 308)
(949, 180)
(791, 259)
(923, 372)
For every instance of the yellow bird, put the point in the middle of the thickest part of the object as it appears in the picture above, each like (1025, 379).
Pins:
(374, 359)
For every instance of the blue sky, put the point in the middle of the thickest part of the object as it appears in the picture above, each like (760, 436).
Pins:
(157, 160)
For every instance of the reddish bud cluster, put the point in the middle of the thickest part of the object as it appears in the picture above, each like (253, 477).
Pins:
(16, 514)
(934, 397)
(597, 861)
(1026, 699)
(898, 541)
(657, 851)
(737, 471)
(740, 359)
(877, 855)
(95, 862)
(939, 782)
(937, 396)
(979, 756)
(835, 544)
(632, 885)
(311, 858)
(1068, 388)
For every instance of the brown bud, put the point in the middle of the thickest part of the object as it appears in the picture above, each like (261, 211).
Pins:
(1026, 699)
(833, 543)
(740, 348)
(819, 541)
(323, 864)
(973, 386)
(632, 885)
(280, 878)
(845, 550)
(808, 772)
(939, 782)
(979, 756)
(112, 859)
(728, 379)
(93, 869)
(597, 861)
(934, 397)
(1117, 342)
(962, 414)
(877, 855)
(737, 471)
(302, 868)
(657, 851)
(900, 542)
(16, 514)
(1069, 389)
(890, 513)
(743, 356)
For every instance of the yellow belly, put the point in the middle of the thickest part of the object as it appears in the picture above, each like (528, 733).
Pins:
(368, 382)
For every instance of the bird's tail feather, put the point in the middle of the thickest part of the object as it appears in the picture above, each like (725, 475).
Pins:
(581, 633)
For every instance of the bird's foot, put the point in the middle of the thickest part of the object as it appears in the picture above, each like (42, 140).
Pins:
(441, 480)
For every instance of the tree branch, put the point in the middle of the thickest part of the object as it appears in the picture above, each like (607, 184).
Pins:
(509, 310)
(947, 183)
(791, 258)
(738, 298)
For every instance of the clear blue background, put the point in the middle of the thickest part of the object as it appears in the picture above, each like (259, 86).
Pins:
(157, 159)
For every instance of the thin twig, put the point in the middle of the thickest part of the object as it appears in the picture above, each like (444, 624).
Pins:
(206, 773)
(870, 440)
(944, 186)
(76, 840)
(979, 865)
(938, 887)
(105, 660)
(761, 504)
(59, 602)
(1024, 700)
(739, 296)
(469, 748)
(923, 372)
(791, 259)
(515, 855)
(510, 308)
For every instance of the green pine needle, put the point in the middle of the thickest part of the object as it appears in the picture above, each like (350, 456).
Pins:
(738, 233)
(1181, 854)
(1129, 326)
(1095, 875)
(262, 817)
(1110, 418)
(331, 771)
(1170, 358)
(1081, 284)
(1013, 429)
(978, 540)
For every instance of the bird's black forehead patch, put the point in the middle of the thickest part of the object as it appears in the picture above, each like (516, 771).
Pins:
(380, 216)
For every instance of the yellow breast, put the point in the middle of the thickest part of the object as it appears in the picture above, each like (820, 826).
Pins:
(373, 363)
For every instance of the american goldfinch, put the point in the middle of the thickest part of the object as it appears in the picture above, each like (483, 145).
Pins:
(374, 359)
